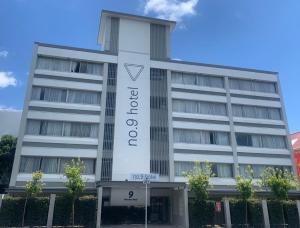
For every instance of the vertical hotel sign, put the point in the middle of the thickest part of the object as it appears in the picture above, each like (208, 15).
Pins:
(132, 119)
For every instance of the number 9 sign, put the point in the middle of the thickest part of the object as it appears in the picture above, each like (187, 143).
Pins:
(130, 194)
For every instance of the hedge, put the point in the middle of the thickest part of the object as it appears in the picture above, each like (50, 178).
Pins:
(12, 210)
(203, 213)
(85, 211)
(238, 213)
(290, 213)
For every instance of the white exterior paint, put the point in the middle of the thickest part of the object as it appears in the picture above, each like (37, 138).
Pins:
(134, 48)
(132, 102)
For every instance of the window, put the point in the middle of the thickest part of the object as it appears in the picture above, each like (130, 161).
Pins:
(59, 128)
(158, 102)
(256, 112)
(258, 169)
(248, 85)
(65, 95)
(197, 79)
(219, 169)
(200, 107)
(263, 141)
(53, 165)
(66, 65)
(201, 137)
(29, 164)
(243, 139)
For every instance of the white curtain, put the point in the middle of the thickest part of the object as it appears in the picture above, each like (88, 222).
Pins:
(197, 79)
(55, 64)
(51, 128)
(89, 166)
(256, 112)
(29, 164)
(73, 129)
(49, 165)
(33, 127)
(200, 107)
(63, 162)
(224, 170)
(55, 94)
(200, 137)
(183, 167)
(36, 93)
(248, 85)
(83, 97)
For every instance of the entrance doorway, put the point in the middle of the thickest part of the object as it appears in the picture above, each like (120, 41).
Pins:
(158, 213)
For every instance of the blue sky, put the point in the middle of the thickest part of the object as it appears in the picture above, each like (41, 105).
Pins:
(262, 34)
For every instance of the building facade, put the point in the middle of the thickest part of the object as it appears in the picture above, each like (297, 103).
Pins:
(132, 109)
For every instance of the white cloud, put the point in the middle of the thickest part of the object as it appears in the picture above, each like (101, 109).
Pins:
(7, 79)
(171, 9)
(3, 54)
(10, 109)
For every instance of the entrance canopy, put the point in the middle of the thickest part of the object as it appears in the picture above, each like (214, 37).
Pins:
(135, 184)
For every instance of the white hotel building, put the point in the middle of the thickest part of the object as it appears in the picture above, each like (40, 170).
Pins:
(130, 108)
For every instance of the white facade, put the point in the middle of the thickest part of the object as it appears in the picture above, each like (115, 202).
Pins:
(105, 107)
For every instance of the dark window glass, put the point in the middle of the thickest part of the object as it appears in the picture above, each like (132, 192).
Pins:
(244, 140)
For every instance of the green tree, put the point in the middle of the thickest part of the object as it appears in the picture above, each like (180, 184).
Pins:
(32, 189)
(7, 153)
(279, 182)
(198, 180)
(245, 186)
(75, 183)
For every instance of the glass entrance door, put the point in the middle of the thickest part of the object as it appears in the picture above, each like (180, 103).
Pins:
(159, 210)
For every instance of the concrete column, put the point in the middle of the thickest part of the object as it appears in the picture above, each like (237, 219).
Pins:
(99, 206)
(227, 213)
(51, 210)
(186, 207)
(266, 213)
(298, 207)
(1, 197)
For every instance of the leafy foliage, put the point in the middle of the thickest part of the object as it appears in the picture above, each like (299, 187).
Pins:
(35, 186)
(278, 181)
(7, 153)
(75, 183)
(32, 189)
(245, 185)
(198, 180)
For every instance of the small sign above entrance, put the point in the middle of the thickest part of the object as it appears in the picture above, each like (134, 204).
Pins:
(144, 177)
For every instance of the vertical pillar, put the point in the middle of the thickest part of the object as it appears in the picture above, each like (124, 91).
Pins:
(51, 210)
(1, 197)
(265, 213)
(99, 206)
(186, 207)
(227, 213)
(298, 207)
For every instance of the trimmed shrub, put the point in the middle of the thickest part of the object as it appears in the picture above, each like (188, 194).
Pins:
(85, 211)
(238, 212)
(12, 210)
(275, 212)
(291, 212)
(201, 213)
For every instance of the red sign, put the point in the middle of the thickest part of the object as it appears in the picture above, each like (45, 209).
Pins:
(218, 206)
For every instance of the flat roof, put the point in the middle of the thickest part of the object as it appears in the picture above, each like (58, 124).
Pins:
(108, 13)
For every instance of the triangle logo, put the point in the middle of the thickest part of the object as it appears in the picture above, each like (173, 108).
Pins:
(133, 70)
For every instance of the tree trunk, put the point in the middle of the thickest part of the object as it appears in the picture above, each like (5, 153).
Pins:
(24, 211)
(73, 212)
(282, 211)
(246, 214)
